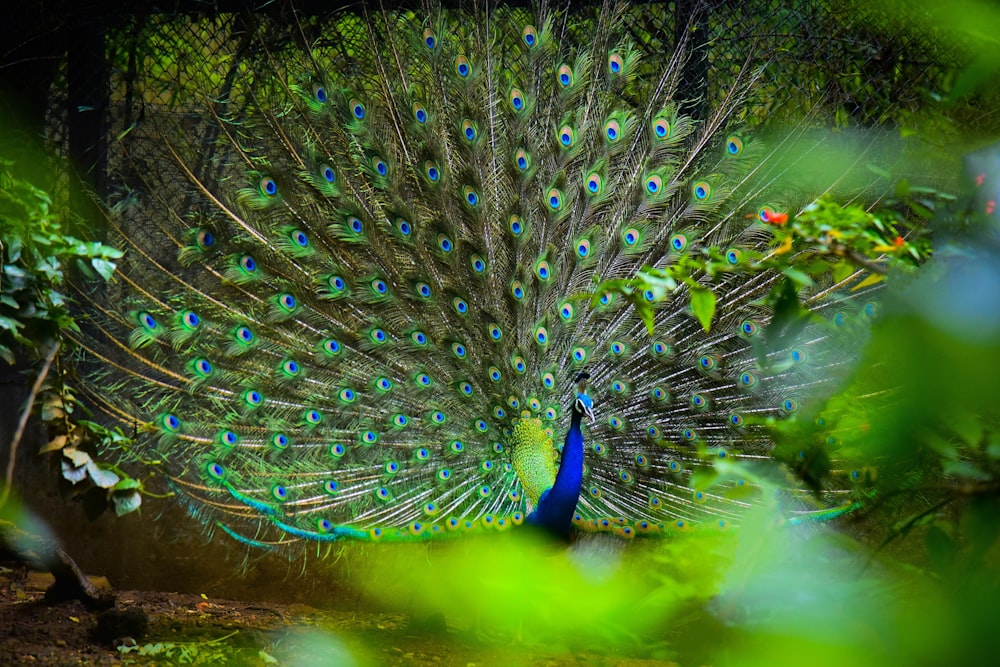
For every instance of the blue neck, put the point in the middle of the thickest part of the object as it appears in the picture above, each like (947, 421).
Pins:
(556, 506)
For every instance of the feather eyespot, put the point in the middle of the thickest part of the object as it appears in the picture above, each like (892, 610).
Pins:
(432, 171)
(529, 36)
(615, 63)
(205, 239)
(654, 184)
(565, 76)
(522, 159)
(337, 284)
(542, 271)
(190, 320)
(612, 131)
(170, 422)
(661, 128)
(463, 67)
(469, 130)
(429, 39)
(702, 190)
(515, 225)
(554, 199)
(268, 186)
(734, 145)
(471, 196)
(203, 367)
(419, 112)
(147, 321)
(567, 137)
(357, 109)
(595, 184)
(319, 93)
(516, 99)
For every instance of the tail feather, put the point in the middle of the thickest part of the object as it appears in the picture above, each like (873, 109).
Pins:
(354, 266)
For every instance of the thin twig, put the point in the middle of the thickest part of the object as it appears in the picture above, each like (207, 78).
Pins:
(23, 423)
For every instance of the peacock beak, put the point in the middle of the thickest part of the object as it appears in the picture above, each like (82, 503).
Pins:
(590, 413)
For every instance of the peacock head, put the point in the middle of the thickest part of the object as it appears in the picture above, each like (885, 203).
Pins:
(584, 405)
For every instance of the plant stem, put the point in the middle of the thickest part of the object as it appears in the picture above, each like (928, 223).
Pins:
(23, 423)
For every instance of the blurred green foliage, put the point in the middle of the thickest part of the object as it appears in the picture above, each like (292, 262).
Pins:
(38, 257)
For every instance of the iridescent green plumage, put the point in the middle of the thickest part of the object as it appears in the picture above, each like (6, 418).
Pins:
(358, 280)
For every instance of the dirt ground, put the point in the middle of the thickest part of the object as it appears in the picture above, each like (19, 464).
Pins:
(186, 629)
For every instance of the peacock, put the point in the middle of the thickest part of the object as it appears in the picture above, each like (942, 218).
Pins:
(362, 291)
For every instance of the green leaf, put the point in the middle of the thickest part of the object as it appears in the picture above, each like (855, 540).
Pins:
(966, 470)
(127, 484)
(126, 501)
(102, 477)
(703, 306)
(103, 267)
(797, 276)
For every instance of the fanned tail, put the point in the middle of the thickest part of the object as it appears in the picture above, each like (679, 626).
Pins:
(358, 274)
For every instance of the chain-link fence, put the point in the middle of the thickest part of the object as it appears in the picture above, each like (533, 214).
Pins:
(98, 67)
